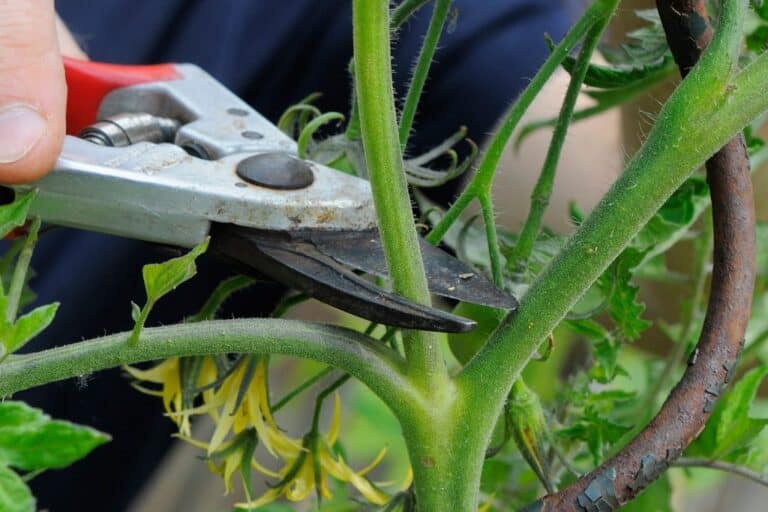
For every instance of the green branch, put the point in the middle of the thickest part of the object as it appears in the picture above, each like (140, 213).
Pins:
(384, 160)
(421, 71)
(224, 290)
(19, 278)
(492, 239)
(405, 10)
(746, 101)
(483, 178)
(302, 387)
(684, 136)
(543, 189)
(685, 462)
(366, 359)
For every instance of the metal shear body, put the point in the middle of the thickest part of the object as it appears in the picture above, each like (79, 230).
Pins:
(167, 154)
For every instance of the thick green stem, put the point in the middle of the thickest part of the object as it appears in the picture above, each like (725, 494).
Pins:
(701, 115)
(543, 189)
(384, 160)
(421, 71)
(366, 359)
(447, 452)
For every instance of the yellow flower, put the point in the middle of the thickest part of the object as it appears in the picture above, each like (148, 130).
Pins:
(408, 480)
(486, 507)
(297, 478)
(240, 403)
(234, 455)
(168, 375)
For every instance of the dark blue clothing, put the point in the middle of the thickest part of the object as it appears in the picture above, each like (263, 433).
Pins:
(272, 53)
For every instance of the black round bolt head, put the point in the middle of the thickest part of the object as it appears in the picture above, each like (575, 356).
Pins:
(276, 170)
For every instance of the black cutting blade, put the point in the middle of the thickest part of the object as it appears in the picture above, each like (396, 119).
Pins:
(446, 275)
(317, 264)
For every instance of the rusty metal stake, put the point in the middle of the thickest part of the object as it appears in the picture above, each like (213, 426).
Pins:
(688, 406)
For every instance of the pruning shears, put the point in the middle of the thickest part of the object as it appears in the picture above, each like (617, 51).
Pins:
(167, 154)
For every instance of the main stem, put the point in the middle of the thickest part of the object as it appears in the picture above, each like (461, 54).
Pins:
(384, 160)
(447, 456)
(446, 460)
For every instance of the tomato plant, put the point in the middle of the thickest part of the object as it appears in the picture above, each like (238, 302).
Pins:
(509, 423)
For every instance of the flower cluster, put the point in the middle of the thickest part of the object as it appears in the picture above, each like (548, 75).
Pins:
(234, 393)
(308, 465)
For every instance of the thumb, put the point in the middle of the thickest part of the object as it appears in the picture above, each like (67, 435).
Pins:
(32, 90)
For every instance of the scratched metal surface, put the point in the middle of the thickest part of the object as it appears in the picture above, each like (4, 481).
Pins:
(159, 193)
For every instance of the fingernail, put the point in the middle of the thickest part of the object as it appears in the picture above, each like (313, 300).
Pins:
(21, 127)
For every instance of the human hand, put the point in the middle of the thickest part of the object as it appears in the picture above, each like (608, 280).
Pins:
(33, 91)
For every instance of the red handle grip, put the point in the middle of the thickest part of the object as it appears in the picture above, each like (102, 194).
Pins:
(88, 82)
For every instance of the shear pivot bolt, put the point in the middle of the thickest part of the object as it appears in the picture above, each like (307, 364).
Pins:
(252, 135)
(276, 170)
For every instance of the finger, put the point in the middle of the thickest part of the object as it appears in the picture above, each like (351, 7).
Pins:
(67, 43)
(32, 90)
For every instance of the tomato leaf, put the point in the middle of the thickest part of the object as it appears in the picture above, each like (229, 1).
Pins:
(14, 214)
(596, 430)
(14, 336)
(644, 57)
(757, 41)
(757, 328)
(15, 496)
(674, 219)
(761, 262)
(761, 7)
(623, 305)
(495, 474)
(605, 77)
(753, 141)
(655, 498)
(18, 414)
(644, 46)
(162, 278)
(605, 349)
(30, 440)
(731, 429)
